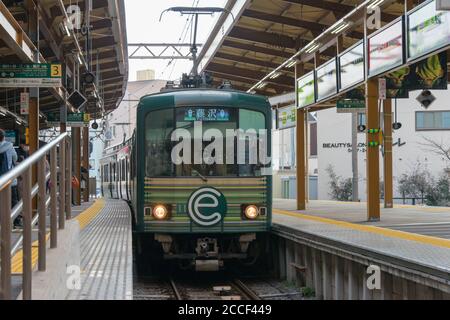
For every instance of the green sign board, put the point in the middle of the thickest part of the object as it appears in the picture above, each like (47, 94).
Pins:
(350, 105)
(31, 75)
(286, 117)
(73, 119)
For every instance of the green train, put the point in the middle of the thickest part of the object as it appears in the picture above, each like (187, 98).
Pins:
(197, 176)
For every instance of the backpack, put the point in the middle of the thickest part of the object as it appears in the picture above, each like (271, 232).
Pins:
(3, 163)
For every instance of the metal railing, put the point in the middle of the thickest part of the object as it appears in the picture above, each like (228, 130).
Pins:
(61, 164)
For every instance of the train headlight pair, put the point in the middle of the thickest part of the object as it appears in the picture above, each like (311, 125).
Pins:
(160, 212)
(251, 212)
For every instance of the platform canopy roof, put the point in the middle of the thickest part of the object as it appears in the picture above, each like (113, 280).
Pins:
(108, 58)
(266, 33)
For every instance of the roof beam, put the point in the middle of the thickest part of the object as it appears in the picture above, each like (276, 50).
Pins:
(249, 74)
(245, 81)
(269, 38)
(243, 59)
(314, 27)
(335, 7)
(253, 48)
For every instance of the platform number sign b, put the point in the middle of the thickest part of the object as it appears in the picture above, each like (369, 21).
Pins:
(55, 71)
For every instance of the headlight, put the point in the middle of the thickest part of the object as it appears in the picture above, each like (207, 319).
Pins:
(160, 212)
(251, 212)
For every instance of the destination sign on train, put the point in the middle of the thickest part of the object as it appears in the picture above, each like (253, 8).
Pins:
(206, 114)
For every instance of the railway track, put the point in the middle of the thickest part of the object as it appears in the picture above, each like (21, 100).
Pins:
(214, 288)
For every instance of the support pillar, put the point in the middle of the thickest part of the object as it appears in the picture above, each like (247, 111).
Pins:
(388, 183)
(76, 155)
(300, 147)
(317, 273)
(86, 163)
(373, 152)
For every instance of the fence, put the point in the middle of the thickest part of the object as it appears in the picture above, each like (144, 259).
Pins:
(60, 165)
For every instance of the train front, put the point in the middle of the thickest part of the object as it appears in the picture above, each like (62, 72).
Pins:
(204, 168)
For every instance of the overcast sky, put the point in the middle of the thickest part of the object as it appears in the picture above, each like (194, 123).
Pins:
(143, 26)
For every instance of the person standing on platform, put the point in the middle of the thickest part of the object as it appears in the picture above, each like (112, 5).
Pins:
(8, 159)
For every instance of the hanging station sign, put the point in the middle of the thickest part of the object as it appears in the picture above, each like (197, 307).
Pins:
(306, 93)
(350, 106)
(32, 75)
(326, 79)
(385, 49)
(286, 117)
(351, 67)
(428, 30)
(79, 119)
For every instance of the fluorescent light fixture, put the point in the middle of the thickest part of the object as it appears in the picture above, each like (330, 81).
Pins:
(275, 75)
(18, 121)
(375, 4)
(309, 45)
(312, 48)
(79, 59)
(2, 113)
(261, 85)
(66, 28)
(342, 26)
(291, 64)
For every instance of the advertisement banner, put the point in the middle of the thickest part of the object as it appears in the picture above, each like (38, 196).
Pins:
(286, 117)
(306, 93)
(386, 49)
(326, 79)
(429, 73)
(351, 67)
(428, 30)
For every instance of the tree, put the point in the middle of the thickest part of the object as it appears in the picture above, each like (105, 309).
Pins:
(341, 189)
(438, 148)
(416, 183)
(439, 193)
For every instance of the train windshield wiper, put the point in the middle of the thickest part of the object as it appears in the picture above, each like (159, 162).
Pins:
(199, 175)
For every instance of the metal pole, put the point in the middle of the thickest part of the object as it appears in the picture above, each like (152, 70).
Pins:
(86, 163)
(300, 149)
(42, 212)
(388, 183)
(194, 46)
(53, 199)
(373, 153)
(69, 180)
(355, 191)
(5, 242)
(26, 246)
(62, 184)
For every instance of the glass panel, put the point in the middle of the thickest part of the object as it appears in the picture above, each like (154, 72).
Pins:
(158, 128)
(211, 118)
(250, 120)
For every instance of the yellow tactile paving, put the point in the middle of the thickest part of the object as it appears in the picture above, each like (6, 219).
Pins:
(372, 229)
(86, 216)
(83, 219)
(16, 262)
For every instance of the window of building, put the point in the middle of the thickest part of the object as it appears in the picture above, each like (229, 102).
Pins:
(432, 120)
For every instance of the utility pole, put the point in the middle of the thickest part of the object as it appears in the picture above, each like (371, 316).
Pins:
(355, 195)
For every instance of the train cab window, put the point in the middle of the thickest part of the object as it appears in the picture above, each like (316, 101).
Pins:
(250, 120)
(220, 119)
(159, 125)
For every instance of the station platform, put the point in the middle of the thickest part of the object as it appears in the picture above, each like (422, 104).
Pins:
(410, 236)
(106, 257)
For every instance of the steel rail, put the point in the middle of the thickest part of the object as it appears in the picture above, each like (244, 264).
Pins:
(245, 290)
(175, 290)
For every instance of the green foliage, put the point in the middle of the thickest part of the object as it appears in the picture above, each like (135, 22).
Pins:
(308, 292)
(438, 194)
(341, 189)
(415, 183)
